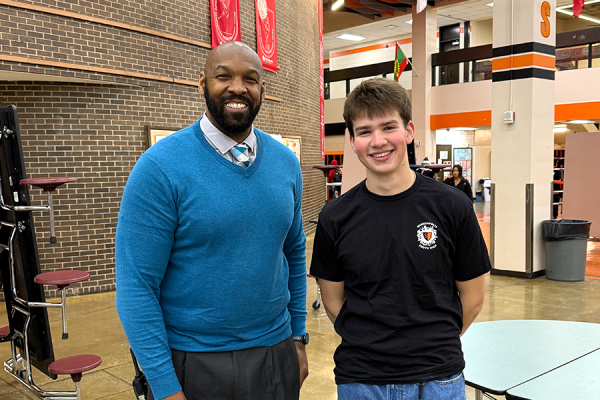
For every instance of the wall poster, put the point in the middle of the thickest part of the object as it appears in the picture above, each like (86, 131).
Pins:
(463, 156)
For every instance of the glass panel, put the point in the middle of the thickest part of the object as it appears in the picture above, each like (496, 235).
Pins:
(337, 90)
(449, 74)
(354, 82)
(595, 55)
(405, 80)
(483, 70)
(572, 58)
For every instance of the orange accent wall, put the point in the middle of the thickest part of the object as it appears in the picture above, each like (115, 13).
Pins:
(567, 112)
(562, 112)
(369, 48)
(474, 118)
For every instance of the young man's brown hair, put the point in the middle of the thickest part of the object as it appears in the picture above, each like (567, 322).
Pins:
(374, 98)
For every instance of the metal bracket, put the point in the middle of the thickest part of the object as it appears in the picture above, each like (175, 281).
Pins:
(6, 131)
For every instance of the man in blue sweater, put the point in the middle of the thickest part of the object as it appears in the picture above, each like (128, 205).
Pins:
(210, 251)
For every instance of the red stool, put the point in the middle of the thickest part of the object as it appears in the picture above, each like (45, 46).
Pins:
(5, 334)
(75, 366)
(49, 185)
(61, 279)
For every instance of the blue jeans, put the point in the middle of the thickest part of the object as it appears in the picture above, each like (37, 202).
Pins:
(451, 388)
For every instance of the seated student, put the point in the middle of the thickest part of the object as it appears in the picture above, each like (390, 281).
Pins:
(401, 262)
(335, 175)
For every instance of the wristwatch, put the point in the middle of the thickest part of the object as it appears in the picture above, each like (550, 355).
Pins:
(302, 338)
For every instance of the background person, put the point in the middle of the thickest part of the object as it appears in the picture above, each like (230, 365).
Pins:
(459, 182)
(335, 175)
(401, 272)
(210, 252)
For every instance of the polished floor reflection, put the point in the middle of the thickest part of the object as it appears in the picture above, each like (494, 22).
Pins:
(94, 328)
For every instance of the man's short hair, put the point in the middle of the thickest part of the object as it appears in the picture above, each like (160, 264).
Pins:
(376, 97)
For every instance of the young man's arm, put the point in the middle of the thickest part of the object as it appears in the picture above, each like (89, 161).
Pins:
(332, 294)
(472, 295)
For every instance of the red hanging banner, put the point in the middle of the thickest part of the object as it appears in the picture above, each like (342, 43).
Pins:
(266, 33)
(322, 80)
(225, 21)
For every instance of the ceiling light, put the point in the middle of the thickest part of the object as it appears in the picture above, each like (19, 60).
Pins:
(560, 130)
(560, 126)
(571, 5)
(464, 129)
(490, 4)
(563, 10)
(337, 5)
(409, 22)
(354, 38)
(581, 121)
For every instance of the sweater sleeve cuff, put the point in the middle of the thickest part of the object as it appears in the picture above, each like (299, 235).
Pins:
(164, 385)
(298, 326)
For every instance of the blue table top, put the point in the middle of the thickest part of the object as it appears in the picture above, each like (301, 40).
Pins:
(579, 379)
(500, 355)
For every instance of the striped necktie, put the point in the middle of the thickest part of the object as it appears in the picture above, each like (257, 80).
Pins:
(240, 152)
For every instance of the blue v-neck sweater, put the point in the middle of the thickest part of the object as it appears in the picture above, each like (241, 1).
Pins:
(210, 256)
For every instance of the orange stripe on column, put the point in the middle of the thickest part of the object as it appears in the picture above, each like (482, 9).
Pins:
(534, 60)
(568, 112)
(501, 63)
(466, 119)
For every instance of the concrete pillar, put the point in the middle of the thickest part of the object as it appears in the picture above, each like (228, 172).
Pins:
(424, 40)
(522, 152)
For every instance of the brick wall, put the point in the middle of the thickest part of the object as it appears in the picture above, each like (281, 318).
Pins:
(93, 129)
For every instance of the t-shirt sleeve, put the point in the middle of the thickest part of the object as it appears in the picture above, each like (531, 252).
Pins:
(471, 258)
(325, 263)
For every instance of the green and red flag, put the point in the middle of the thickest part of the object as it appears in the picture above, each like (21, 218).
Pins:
(400, 63)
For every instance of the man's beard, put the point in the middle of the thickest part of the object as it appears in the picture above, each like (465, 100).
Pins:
(238, 122)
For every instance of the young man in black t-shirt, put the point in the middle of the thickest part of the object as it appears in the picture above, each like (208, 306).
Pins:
(401, 262)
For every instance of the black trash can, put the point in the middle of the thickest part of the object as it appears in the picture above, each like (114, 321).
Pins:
(566, 248)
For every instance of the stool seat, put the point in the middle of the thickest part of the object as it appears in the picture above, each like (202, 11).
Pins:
(74, 365)
(61, 277)
(4, 332)
(48, 184)
(326, 168)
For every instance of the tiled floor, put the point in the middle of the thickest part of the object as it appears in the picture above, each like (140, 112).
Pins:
(94, 328)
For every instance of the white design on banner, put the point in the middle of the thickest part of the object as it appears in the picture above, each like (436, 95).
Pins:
(421, 4)
(224, 23)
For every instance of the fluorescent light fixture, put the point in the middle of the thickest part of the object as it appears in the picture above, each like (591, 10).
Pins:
(456, 42)
(581, 121)
(490, 4)
(464, 129)
(348, 36)
(571, 5)
(409, 22)
(560, 126)
(337, 5)
(563, 10)
(560, 130)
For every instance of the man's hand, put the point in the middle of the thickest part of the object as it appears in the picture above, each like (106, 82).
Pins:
(302, 360)
(176, 396)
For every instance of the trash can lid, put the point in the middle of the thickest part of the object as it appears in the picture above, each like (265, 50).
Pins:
(565, 229)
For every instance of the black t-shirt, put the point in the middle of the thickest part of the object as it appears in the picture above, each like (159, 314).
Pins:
(399, 257)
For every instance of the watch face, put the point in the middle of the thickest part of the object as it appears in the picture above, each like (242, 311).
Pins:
(303, 338)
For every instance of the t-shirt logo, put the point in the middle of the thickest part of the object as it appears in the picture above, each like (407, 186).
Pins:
(427, 235)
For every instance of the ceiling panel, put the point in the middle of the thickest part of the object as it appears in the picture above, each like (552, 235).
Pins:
(394, 28)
